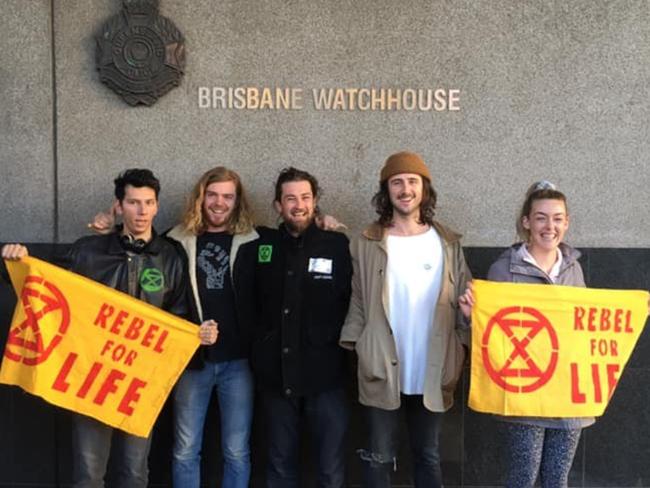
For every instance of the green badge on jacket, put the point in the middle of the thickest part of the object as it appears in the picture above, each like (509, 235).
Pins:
(264, 253)
(152, 280)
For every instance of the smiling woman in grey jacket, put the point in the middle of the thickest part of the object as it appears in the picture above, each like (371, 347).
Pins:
(544, 446)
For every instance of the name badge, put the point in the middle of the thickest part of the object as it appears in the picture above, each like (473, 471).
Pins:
(320, 265)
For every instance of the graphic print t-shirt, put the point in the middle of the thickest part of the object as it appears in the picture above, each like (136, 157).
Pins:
(216, 293)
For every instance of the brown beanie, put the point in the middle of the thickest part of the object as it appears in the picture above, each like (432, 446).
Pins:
(404, 162)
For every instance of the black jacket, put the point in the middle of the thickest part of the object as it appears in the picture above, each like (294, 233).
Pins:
(156, 275)
(302, 293)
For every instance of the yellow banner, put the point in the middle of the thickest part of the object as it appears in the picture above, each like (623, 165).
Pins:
(550, 351)
(88, 348)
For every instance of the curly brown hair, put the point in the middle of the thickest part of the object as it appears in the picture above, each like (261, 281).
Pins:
(384, 207)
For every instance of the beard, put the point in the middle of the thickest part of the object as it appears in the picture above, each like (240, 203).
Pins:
(217, 220)
(298, 227)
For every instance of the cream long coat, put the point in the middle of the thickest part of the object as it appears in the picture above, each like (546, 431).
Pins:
(368, 332)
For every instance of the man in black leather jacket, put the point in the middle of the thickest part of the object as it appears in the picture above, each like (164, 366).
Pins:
(135, 260)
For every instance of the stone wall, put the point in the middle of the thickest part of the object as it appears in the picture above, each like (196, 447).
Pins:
(547, 89)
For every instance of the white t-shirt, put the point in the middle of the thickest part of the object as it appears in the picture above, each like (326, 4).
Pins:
(414, 275)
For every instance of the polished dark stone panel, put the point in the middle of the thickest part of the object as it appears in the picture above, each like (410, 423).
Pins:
(641, 355)
(611, 453)
(452, 441)
(484, 460)
(618, 445)
(7, 304)
(618, 268)
(576, 475)
(29, 438)
(479, 259)
(628, 269)
(63, 455)
(160, 457)
(8, 429)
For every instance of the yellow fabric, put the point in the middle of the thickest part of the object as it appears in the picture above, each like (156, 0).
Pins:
(88, 348)
(550, 351)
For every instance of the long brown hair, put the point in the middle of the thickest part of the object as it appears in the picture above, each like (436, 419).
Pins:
(384, 208)
(241, 219)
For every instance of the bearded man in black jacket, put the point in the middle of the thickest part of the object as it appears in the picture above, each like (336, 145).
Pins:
(302, 289)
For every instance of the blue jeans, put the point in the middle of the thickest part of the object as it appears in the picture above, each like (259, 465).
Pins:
(92, 442)
(234, 384)
(326, 415)
(532, 449)
(423, 429)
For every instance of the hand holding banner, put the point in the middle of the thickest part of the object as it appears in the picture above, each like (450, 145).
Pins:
(550, 351)
(91, 349)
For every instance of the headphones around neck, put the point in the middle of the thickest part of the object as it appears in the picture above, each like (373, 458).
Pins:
(130, 243)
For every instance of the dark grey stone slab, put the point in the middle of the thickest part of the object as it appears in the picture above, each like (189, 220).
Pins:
(623, 269)
(617, 446)
(618, 268)
(479, 259)
(28, 446)
(452, 440)
(484, 452)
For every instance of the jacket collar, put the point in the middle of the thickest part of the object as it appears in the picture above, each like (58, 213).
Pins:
(303, 238)
(182, 235)
(519, 266)
(115, 246)
(376, 232)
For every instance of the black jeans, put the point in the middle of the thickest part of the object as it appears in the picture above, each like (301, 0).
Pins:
(423, 429)
(326, 415)
(92, 445)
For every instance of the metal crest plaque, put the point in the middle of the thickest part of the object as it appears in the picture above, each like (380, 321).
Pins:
(140, 54)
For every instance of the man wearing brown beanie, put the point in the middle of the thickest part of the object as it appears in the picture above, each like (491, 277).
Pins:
(404, 322)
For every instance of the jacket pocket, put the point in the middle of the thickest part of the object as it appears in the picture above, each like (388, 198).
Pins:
(452, 367)
(372, 358)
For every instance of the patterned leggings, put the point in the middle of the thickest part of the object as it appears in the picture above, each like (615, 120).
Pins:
(532, 450)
